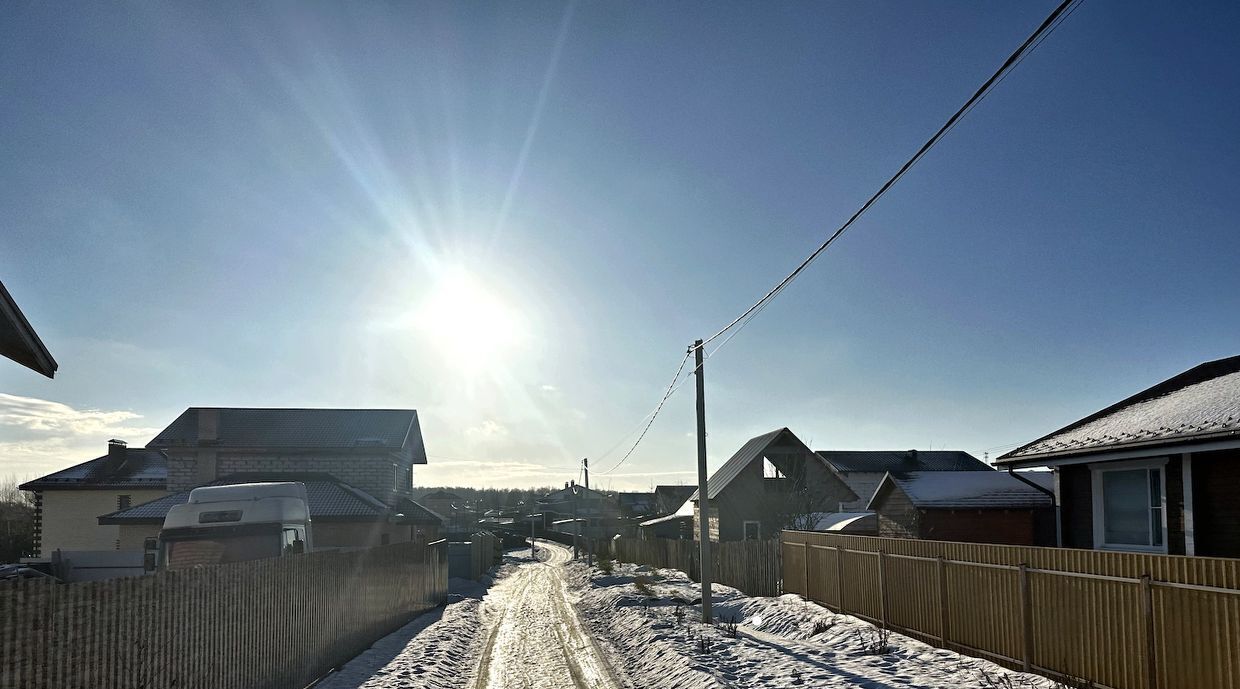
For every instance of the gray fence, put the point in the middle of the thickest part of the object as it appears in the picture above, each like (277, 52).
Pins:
(268, 624)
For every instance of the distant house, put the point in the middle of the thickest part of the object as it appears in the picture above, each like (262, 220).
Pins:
(599, 513)
(970, 506)
(1156, 472)
(769, 484)
(668, 499)
(863, 470)
(69, 502)
(19, 341)
(458, 517)
(634, 505)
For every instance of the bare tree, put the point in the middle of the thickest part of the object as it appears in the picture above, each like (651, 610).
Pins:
(16, 520)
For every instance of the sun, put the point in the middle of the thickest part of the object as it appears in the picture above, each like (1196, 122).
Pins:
(469, 323)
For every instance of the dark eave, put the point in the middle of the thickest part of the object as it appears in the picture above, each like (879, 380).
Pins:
(19, 341)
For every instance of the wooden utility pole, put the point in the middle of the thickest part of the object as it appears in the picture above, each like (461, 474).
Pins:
(704, 565)
(576, 524)
(585, 465)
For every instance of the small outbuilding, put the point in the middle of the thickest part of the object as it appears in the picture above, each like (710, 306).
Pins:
(969, 506)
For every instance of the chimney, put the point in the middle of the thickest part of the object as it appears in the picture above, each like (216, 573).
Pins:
(208, 426)
(116, 454)
(912, 455)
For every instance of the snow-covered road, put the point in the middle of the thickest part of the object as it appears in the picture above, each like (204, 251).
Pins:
(533, 638)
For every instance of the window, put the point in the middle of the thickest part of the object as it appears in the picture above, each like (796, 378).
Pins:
(769, 470)
(292, 540)
(1129, 506)
(753, 531)
(395, 477)
(123, 502)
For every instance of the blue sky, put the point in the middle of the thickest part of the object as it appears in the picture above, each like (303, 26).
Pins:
(276, 205)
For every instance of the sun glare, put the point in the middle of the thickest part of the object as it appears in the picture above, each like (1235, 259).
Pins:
(471, 326)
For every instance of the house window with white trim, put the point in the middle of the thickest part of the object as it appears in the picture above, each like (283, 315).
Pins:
(753, 531)
(1129, 506)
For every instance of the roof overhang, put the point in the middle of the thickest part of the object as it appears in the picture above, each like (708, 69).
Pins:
(1221, 441)
(19, 341)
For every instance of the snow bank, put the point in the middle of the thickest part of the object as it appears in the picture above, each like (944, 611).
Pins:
(659, 641)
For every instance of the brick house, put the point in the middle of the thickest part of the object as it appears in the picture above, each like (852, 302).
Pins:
(969, 506)
(357, 465)
(68, 502)
(1157, 472)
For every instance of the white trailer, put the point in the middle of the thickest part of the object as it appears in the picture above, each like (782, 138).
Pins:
(246, 521)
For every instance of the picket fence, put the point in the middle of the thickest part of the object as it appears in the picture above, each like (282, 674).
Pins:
(268, 624)
(1101, 619)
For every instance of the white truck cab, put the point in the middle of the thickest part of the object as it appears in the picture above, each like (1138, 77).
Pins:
(235, 523)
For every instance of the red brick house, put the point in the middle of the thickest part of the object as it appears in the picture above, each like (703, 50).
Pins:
(968, 506)
(1157, 472)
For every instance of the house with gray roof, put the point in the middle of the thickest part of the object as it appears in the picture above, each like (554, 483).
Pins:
(67, 502)
(1156, 472)
(863, 470)
(357, 465)
(970, 506)
(770, 483)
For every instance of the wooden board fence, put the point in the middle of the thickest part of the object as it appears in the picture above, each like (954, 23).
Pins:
(1119, 620)
(268, 624)
(750, 566)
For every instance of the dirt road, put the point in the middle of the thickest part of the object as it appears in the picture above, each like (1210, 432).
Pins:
(533, 639)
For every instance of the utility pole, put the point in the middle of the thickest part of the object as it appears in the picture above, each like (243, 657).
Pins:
(576, 524)
(533, 540)
(703, 497)
(585, 464)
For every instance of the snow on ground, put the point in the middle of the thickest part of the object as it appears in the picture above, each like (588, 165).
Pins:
(437, 650)
(658, 640)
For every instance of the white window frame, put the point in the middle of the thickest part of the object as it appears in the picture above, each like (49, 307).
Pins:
(1096, 472)
(745, 530)
(770, 471)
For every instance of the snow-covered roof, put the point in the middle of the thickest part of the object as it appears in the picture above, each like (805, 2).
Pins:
(881, 461)
(840, 521)
(968, 489)
(661, 520)
(1201, 403)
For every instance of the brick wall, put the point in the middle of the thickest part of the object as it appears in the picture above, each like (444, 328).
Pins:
(371, 472)
(70, 518)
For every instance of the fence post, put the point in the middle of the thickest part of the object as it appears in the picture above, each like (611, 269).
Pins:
(1151, 663)
(805, 559)
(839, 575)
(1026, 616)
(944, 611)
(882, 585)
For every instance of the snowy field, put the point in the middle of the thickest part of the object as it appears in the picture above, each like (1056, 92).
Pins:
(657, 640)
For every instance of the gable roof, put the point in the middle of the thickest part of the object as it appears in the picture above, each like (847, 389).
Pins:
(19, 341)
(968, 489)
(1202, 403)
(142, 468)
(669, 498)
(329, 500)
(880, 461)
(751, 450)
(391, 429)
(568, 494)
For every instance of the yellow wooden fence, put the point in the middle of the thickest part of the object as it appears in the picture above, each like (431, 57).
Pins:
(1119, 620)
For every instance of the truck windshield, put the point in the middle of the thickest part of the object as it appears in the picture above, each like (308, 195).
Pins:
(221, 548)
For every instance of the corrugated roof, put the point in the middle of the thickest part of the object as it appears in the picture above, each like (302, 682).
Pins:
(969, 489)
(1201, 403)
(142, 468)
(392, 429)
(329, 500)
(751, 450)
(881, 461)
(19, 341)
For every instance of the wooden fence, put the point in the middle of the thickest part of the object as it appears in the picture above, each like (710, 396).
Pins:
(268, 624)
(1119, 620)
(751, 566)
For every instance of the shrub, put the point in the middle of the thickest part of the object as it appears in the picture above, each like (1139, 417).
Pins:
(642, 584)
(820, 625)
(730, 624)
(605, 566)
(876, 642)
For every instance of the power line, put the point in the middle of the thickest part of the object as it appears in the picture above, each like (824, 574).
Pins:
(1015, 58)
(671, 389)
(1044, 30)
